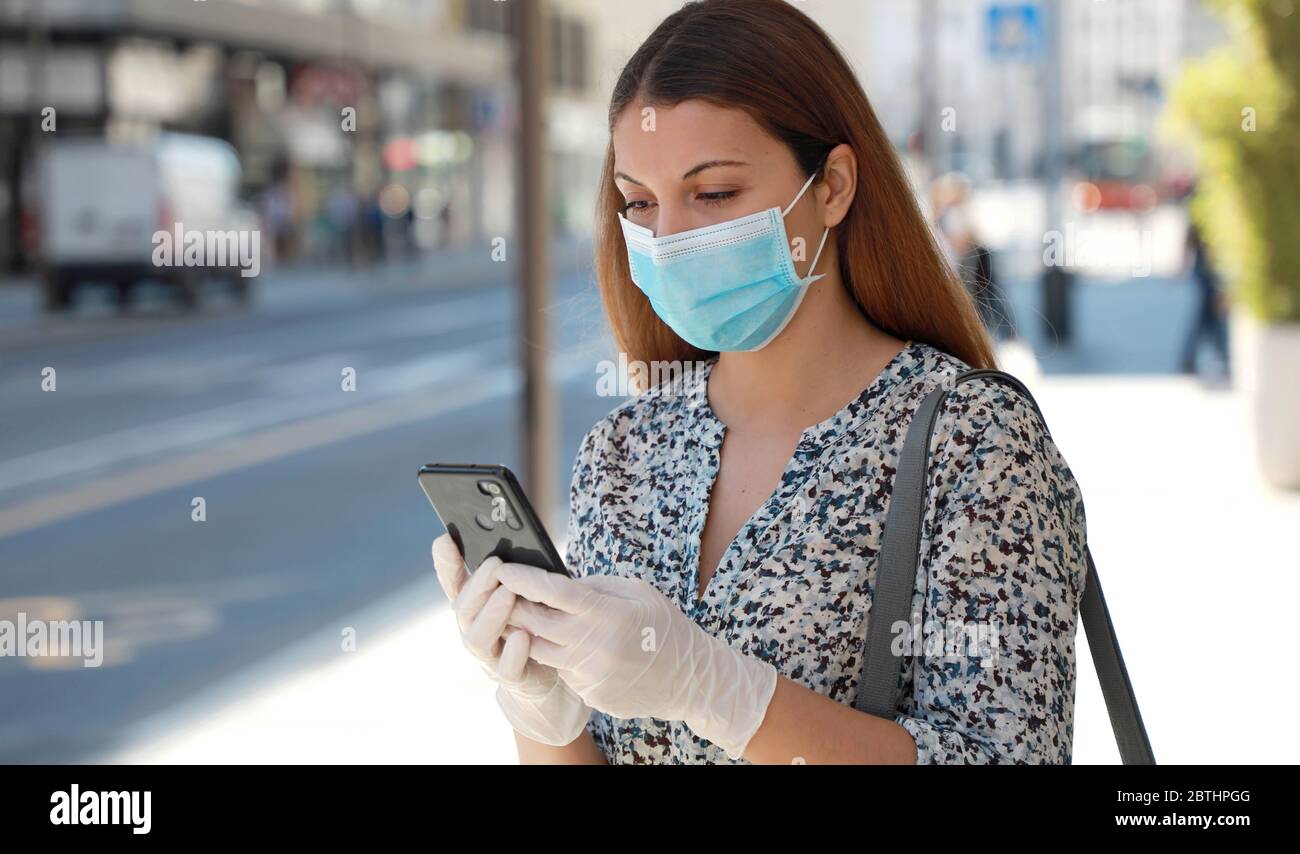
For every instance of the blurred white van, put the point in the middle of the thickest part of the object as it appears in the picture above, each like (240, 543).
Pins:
(102, 203)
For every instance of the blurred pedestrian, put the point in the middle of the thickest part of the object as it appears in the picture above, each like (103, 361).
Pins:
(277, 217)
(444, 225)
(1211, 309)
(371, 224)
(341, 209)
(949, 202)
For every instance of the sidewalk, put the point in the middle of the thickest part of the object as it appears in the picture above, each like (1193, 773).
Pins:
(408, 695)
(1193, 548)
(1198, 561)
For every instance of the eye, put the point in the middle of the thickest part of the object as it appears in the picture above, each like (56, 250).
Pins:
(716, 198)
(636, 208)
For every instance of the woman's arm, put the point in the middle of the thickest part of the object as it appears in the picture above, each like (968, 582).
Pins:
(581, 751)
(803, 727)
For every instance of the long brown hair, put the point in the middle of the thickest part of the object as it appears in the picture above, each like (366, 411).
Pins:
(773, 61)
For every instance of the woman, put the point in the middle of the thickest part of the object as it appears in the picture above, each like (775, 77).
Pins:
(725, 525)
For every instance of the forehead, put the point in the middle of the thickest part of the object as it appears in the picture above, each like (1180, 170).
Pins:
(652, 139)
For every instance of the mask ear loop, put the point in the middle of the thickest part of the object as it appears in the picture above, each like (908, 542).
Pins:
(806, 185)
(825, 231)
(810, 277)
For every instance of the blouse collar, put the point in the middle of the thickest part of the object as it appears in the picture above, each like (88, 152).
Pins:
(816, 438)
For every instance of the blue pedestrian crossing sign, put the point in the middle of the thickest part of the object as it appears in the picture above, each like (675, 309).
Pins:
(1014, 31)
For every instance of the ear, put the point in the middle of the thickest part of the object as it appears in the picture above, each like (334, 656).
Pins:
(838, 184)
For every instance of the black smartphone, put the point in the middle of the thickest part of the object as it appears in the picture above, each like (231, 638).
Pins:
(486, 512)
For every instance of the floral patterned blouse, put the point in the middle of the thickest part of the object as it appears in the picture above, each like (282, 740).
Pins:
(1002, 547)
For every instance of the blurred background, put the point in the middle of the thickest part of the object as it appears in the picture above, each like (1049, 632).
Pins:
(216, 457)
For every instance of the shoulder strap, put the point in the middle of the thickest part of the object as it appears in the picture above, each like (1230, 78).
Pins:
(879, 687)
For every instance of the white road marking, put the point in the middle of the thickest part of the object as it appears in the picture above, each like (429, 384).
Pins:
(276, 407)
(277, 442)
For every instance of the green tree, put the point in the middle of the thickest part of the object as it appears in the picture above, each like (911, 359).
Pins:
(1239, 107)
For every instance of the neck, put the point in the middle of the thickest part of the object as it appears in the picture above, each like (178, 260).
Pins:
(827, 354)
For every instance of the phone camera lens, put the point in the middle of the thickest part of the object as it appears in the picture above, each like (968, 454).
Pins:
(484, 522)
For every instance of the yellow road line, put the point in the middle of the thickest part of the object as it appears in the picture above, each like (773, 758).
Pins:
(251, 450)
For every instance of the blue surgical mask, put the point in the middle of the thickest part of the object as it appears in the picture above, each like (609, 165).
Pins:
(725, 287)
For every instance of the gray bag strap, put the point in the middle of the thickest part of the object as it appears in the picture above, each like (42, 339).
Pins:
(882, 675)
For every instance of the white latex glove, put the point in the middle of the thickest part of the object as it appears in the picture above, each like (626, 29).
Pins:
(628, 651)
(534, 699)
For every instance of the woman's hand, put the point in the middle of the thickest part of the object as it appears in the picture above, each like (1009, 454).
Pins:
(534, 699)
(630, 652)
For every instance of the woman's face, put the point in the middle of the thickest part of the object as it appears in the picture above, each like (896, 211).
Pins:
(696, 164)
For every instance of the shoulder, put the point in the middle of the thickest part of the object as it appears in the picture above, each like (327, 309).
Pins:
(644, 425)
(988, 430)
(988, 412)
(991, 446)
(995, 472)
(977, 410)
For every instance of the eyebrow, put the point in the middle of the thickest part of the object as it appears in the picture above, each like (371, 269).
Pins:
(694, 170)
